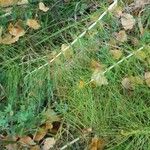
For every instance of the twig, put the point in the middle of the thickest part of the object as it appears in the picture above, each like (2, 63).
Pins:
(112, 6)
(70, 143)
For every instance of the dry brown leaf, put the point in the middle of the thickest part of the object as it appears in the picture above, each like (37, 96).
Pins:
(147, 78)
(26, 140)
(97, 144)
(32, 23)
(67, 51)
(117, 54)
(8, 39)
(121, 36)
(48, 143)
(141, 3)
(127, 21)
(6, 3)
(40, 134)
(43, 7)
(36, 147)
(16, 30)
(11, 147)
(98, 78)
(95, 65)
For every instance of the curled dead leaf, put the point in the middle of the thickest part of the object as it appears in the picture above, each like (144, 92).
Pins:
(32, 23)
(43, 7)
(127, 21)
(48, 143)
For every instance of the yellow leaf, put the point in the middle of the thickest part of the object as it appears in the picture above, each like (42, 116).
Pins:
(141, 55)
(40, 134)
(9, 39)
(147, 78)
(26, 140)
(117, 54)
(98, 78)
(43, 7)
(48, 143)
(32, 23)
(36, 147)
(97, 144)
(81, 84)
(127, 21)
(121, 36)
(16, 30)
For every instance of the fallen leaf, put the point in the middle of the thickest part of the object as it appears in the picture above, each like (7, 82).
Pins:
(98, 78)
(22, 2)
(129, 83)
(32, 23)
(126, 83)
(141, 3)
(118, 11)
(40, 134)
(141, 55)
(48, 125)
(127, 21)
(36, 147)
(5, 3)
(48, 143)
(16, 30)
(147, 78)
(121, 36)
(116, 54)
(8, 39)
(67, 51)
(51, 116)
(26, 140)
(11, 146)
(43, 7)
(95, 65)
(97, 144)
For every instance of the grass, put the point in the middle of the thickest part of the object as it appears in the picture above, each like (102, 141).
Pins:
(119, 116)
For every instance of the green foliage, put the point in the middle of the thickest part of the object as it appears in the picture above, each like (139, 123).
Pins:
(120, 116)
